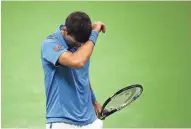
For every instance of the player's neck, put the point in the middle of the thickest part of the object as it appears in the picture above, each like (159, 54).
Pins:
(67, 40)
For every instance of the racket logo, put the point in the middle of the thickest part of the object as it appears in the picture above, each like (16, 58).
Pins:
(127, 94)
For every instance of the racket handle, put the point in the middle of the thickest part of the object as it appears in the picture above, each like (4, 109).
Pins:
(103, 115)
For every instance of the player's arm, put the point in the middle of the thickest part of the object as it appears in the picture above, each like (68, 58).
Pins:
(63, 56)
(79, 58)
(97, 105)
(92, 94)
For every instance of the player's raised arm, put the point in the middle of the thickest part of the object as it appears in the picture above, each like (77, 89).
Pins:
(80, 57)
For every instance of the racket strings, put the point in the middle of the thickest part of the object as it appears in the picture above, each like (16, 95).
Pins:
(122, 99)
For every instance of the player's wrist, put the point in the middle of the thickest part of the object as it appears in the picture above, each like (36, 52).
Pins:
(94, 36)
(95, 102)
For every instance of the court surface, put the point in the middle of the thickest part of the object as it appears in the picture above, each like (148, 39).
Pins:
(146, 42)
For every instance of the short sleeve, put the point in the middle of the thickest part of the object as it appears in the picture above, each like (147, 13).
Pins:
(51, 51)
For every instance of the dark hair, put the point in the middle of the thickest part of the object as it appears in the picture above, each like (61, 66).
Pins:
(79, 26)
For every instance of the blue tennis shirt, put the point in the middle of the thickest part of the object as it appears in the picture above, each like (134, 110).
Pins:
(68, 95)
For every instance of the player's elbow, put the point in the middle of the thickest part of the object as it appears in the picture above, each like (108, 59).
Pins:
(68, 59)
(73, 63)
(77, 64)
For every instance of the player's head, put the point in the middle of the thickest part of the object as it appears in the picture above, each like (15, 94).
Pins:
(78, 26)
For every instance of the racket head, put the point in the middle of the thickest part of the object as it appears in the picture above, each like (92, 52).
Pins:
(120, 99)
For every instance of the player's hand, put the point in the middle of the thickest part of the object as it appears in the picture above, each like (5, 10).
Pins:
(97, 107)
(99, 26)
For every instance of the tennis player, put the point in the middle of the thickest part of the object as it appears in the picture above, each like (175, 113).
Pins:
(65, 55)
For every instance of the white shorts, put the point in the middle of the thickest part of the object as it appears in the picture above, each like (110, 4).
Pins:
(97, 124)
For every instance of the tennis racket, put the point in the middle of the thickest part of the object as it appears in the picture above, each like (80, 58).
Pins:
(120, 100)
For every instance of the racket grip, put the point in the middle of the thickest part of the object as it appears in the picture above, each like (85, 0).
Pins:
(103, 115)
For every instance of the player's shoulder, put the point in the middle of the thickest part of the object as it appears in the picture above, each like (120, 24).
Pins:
(50, 39)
